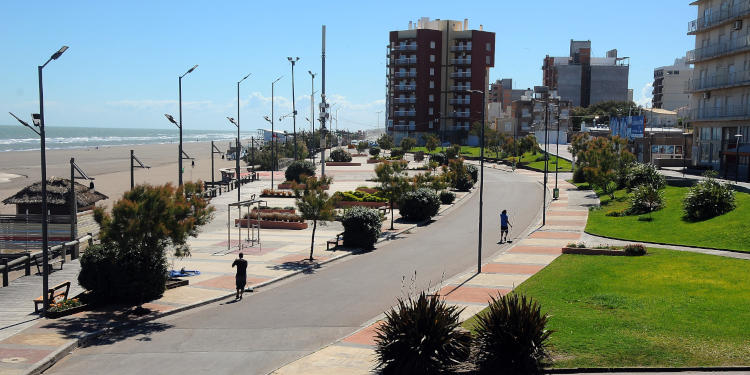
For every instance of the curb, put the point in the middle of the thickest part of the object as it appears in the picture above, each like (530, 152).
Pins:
(666, 244)
(52, 358)
(644, 369)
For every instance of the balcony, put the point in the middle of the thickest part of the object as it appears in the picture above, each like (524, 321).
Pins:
(458, 114)
(461, 88)
(404, 100)
(405, 47)
(406, 61)
(732, 112)
(724, 79)
(405, 74)
(732, 46)
(461, 61)
(459, 101)
(461, 74)
(405, 87)
(409, 113)
(460, 48)
(719, 16)
(404, 127)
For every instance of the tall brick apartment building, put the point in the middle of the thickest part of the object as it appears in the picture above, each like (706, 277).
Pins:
(430, 67)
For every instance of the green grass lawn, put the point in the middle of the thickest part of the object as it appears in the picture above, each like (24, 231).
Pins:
(528, 159)
(728, 231)
(668, 308)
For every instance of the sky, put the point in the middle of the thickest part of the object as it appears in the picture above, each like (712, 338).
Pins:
(125, 56)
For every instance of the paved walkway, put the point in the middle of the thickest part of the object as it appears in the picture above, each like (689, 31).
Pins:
(27, 340)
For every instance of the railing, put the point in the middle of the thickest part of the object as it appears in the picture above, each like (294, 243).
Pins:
(411, 60)
(738, 44)
(405, 100)
(460, 48)
(406, 87)
(405, 47)
(25, 259)
(405, 74)
(461, 61)
(405, 113)
(459, 114)
(404, 127)
(459, 127)
(461, 88)
(715, 81)
(459, 101)
(719, 16)
(732, 111)
(461, 74)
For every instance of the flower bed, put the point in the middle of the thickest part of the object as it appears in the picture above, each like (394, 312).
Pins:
(273, 211)
(268, 193)
(374, 160)
(271, 224)
(65, 308)
(628, 250)
(290, 185)
(367, 190)
(342, 204)
(342, 164)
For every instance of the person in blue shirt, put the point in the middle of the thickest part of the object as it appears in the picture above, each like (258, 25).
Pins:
(504, 224)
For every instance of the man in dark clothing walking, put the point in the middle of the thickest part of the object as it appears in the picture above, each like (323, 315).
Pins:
(241, 277)
(504, 224)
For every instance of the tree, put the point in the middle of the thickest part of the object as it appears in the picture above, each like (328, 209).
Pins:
(136, 235)
(407, 143)
(362, 146)
(385, 142)
(606, 161)
(315, 204)
(393, 180)
(431, 142)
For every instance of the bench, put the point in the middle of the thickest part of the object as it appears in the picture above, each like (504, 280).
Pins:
(335, 241)
(56, 256)
(55, 293)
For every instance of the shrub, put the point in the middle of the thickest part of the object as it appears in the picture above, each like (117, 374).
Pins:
(511, 337)
(453, 152)
(644, 199)
(463, 182)
(634, 249)
(340, 155)
(707, 199)
(359, 196)
(397, 153)
(447, 197)
(418, 205)
(421, 336)
(361, 227)
(362, 146)
(407, 143)
(298, 169)
(615, 213)
(374, 151)
(644, 174)
(473, 171)
(439, 158)
(578, 176)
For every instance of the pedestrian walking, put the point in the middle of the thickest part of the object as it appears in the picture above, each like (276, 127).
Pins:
(504, 224)
(241, 276)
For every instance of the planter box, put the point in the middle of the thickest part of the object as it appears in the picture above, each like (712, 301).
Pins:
(269, 224)
(587, 251)
(342, 164)
(275, 210)
(70, 311)
(368, 190)
(341, 204)
(276, 196)
(287, 185)
(175, 282)
(373, 161)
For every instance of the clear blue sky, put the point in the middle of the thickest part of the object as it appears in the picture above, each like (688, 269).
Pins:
(124, 58)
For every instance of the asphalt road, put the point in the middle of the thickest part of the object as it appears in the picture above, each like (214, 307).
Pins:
(276, 326)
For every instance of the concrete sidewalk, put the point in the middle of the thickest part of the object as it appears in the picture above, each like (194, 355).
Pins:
(566, 220)
(28, 342)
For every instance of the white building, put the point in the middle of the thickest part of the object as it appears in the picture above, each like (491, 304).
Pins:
(669, 85)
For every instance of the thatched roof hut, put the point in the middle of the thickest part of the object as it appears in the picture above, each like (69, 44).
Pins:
(58, 194)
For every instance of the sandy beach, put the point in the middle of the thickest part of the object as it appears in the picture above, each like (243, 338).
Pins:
(110, 166)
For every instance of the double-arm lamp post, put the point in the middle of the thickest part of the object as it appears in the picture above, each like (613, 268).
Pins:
(179, 125)
(134, 159)
(38, 120)
(237, 146)
(293, 60)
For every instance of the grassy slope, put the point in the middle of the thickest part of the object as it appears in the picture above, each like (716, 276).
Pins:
(666, 309)
(728, 231)
(565, 165)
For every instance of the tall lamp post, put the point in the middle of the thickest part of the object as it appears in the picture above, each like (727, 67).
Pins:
(737, 136)
(73, 201)
(237, 165)
(180, 153)
(293, 60)
(38, 120)
(481, 178)
(134, 159)
(312, 110)
(273, 134)
(183, 154)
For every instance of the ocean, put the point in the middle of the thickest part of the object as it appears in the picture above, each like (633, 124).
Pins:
(20, 138)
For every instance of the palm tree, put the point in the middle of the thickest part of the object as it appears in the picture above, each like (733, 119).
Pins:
(315, 204)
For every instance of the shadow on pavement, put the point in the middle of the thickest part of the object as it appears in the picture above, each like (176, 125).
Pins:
(304, 265)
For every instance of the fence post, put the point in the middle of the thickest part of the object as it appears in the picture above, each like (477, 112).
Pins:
(28, 264)
(4, 262)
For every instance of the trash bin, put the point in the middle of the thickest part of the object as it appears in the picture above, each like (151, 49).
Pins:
(555, 193)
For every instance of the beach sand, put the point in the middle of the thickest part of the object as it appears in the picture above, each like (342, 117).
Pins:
(110, 166)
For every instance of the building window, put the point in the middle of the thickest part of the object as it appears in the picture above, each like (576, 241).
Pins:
(432, 58)
(430, 111)
(489, 47)
(431, 98)
(430, 123)
(432, 71)
(432, 44)
(487, 58)
(432, 84)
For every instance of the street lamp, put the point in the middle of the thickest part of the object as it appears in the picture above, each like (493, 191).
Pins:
(273, 134)
(38, 121)
(73, 201)
(294, 106)
(133, 159)
(183, 154)
(237, 164)
(738, 136)
(312, 110)
(481, 177)
(180, 152)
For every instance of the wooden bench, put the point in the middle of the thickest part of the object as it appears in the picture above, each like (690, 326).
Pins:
(335, 241)
(57, 256)
(55, 293)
